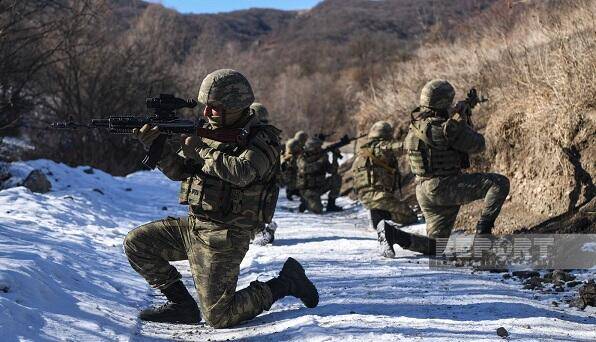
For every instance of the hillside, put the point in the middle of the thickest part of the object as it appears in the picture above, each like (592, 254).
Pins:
(104, 57)
(534, 60)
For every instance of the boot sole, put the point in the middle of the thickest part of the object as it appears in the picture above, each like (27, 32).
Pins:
(311, 286)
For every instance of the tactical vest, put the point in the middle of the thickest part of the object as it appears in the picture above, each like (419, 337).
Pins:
(246, 207)
(312, 169)
(428, 150)
(375, 168)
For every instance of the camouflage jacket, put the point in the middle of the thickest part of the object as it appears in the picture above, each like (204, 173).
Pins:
(439, 147)
(313, 167)
(228, 183)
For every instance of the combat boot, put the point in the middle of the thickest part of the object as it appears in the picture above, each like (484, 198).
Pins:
(484, 227)
(302, 206)
(384, 236)
(413, 242)
(331, 207)
(292, 281)
(180, 308)
(266, 235)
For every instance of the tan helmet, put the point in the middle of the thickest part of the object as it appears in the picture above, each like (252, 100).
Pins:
(260, 111)
(301, 136)
(313, 144)
(293, 146)
(228, 91)
(437, 94)
(381, 129)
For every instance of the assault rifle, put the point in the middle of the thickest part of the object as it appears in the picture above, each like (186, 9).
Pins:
(165, 118)
(464, 107)
(343, 141)
(323, 137)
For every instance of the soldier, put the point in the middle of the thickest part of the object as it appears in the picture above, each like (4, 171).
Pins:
(231, 190)
(261, 112)
(289, 168)
(438, 144)
(313, 166)
(377, 183)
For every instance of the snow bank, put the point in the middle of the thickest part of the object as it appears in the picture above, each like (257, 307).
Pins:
(63, 273)
(64, 276)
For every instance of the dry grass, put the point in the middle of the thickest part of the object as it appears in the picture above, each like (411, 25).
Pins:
(536, 62)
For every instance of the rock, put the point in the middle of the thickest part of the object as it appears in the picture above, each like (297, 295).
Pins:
(573, 283)
(128, 189)
(89, 171)
(36, 181)
(506, 276)
(559, 288)
(497, 270)
(164, 208)
(4, 174)
(533, 283)
(502, 332)
(525, 274)
(587, 295)
(559, 276)
(98, 191)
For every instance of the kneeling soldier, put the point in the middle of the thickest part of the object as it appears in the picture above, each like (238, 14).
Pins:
(439, 143)
(313, 167)
(377, 183)
(231, 190)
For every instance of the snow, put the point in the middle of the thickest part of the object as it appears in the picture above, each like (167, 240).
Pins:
(64, 276)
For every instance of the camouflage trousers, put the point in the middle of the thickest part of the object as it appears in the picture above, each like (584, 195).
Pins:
(441, 197)
(214, 252)
(312, 197)
(399, 210)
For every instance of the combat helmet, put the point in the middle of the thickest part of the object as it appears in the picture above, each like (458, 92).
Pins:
(301, 136)
(293, 146)
(437, 95)
(381, 129)
(313, 144)
(260, 111)
(228, 91)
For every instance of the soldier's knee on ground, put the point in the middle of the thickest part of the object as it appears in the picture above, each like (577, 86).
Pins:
(316, 208)
(216, 319)
(131, 241)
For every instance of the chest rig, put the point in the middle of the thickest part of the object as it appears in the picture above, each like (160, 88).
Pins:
(216, 200)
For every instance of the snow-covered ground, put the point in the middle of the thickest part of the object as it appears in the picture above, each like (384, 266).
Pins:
(64, 276)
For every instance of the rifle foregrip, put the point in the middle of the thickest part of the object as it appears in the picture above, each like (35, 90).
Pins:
(155, 151)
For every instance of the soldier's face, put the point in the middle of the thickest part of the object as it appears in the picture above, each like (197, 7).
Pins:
(212, 112)
(214, 115)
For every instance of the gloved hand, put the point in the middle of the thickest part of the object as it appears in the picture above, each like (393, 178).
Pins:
(191, 146)
(146, 135)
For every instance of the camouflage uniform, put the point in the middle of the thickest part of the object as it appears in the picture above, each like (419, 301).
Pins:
(438, 147)
(289, 170)
(313, 166)
(231, 191)
(376, 177)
